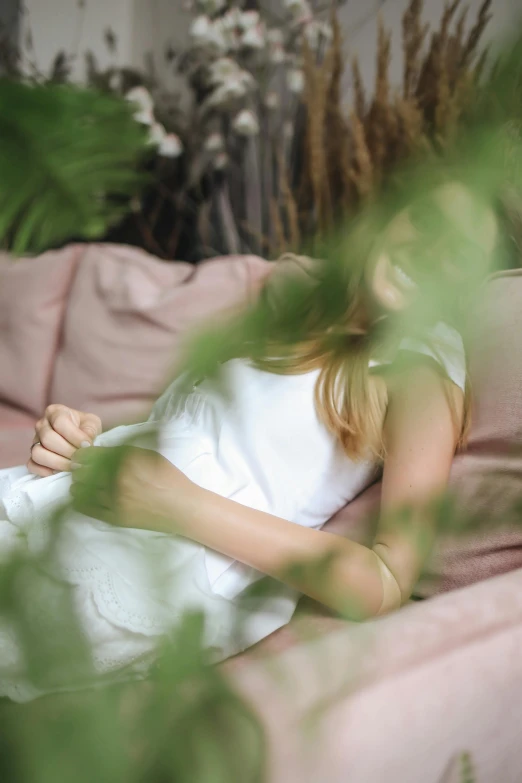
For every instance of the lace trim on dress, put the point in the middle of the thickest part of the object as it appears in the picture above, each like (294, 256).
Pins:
(105, 597)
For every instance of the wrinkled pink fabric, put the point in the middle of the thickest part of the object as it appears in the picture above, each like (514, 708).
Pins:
(126, 317)
(487, 478)
(16, 435)
(33, 298)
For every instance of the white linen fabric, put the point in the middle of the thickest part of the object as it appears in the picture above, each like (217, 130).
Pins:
(251, 436)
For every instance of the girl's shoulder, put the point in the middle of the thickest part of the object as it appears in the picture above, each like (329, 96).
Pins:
(442, 344)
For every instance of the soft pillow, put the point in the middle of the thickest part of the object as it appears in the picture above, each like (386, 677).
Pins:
(16, 435)
(487, 477)
(33, 294)
(126, 317)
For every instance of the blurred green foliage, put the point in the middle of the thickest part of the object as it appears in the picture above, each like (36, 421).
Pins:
(60, 150)
(68, 164)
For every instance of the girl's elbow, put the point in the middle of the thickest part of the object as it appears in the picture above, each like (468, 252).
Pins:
(397, 580)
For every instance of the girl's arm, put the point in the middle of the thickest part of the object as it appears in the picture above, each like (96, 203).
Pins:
(421, 432)
(420, 435)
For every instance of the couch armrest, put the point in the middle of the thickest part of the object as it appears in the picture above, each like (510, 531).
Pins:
(397, 698)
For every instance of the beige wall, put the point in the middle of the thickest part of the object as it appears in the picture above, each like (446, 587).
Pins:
(150, 25)
(141, 26)
(158, 24)
(9, 17)
(62, 24)
(359, 21)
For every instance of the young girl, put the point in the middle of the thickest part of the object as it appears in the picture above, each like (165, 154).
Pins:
(248, 468)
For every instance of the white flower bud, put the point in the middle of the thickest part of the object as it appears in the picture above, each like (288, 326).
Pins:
(253, 38)
(142, 98)
(245, 123)
(144, 117)
(170, 146)
(208, 34)
(200, 27)
(295, 80)
(157, 134)
(222, 69)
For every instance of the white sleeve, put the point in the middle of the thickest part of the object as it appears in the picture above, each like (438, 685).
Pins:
(445, 346)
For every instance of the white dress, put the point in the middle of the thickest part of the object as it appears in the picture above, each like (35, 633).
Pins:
(257, 440)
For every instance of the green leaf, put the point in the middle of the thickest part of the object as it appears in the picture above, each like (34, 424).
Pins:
(69, 162)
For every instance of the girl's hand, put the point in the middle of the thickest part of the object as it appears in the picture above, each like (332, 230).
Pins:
(59, 434)
(130, 487)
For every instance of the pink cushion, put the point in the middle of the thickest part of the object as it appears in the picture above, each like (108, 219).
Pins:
(33, 295)
(126, 317)
(487, 478)
(16, 435)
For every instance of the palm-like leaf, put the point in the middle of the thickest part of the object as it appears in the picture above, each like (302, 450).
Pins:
(68, 163)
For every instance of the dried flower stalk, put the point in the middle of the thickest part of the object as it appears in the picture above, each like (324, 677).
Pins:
(348, 158)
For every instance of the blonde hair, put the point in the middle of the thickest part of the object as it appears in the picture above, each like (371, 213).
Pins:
(329, 301)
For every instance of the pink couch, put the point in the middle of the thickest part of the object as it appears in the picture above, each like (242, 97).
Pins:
(98, 327)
